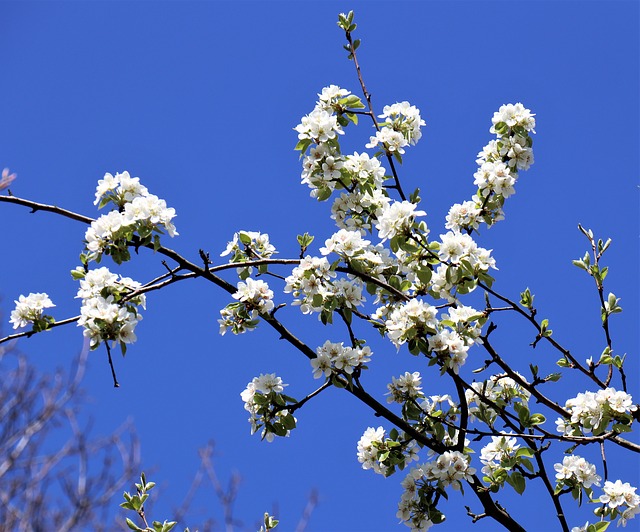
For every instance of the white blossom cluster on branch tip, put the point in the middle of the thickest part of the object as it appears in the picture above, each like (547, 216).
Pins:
(136, 213)
(593, 412)
(109, 311)
(334, 357)
(266, 404)
(576, 471)
(382, 454)
(29, 309)
(426, 483)
(247, 246)
(254, 298)
(401, 127)
(316, 288)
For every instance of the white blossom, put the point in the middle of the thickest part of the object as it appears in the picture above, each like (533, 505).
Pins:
(576, 468)
(514, 115)
(29, 309)
(397, 218)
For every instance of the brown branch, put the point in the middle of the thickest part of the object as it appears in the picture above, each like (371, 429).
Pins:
(371, 113)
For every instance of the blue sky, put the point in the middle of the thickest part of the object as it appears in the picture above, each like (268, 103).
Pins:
(199, 100)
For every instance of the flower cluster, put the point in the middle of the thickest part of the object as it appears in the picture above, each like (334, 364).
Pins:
(330, 97)
(499, 450)
(515, 117)
(405, 388)
(137, 214)
(266, 404)
(499, 389)
(382, 454)
(416, 508)
(456, 247)
(324, 167)
(592, 412)
(357, 210)
(247, 246)
(620, 500)
(464, 263)
(449, 469)
(315, 288)
(495, 177)
(369, 449)
(335, 357)
(463, 216)
(413, 319)
(398, 218)
(424, 485)
(254, 298)
(319, 126)
(400, 128)
(576, 471)
(109, 311)
(30, 309)
(498, 166)
(345, 243)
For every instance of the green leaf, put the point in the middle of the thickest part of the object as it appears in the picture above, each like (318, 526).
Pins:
(289, 422)
(600, 526)
(523, 414)
(324, 193)
(537, 419)
(524, 451)
(501, 128)
(303, 145)
(527, 463)
(133, 526)
(518, 482)
(526, 299)
(579, 264)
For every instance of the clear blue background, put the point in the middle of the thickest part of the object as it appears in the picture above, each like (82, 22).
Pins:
(199, 100)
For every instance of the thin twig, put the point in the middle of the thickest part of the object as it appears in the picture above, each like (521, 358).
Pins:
(113, 371)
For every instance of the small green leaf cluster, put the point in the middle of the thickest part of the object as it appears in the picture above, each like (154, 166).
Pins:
(269, 413)
(238, 318)
(304, 241)
(434, 419)
(526, 418)
(345, 22)
(510, 471)
(526, 299)
(594, 270)
(545, 332)
(136, 502)
(600, 526)
(611, 306)
(423, 506)
(43, 323)
(607, 358)
(396, 451)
